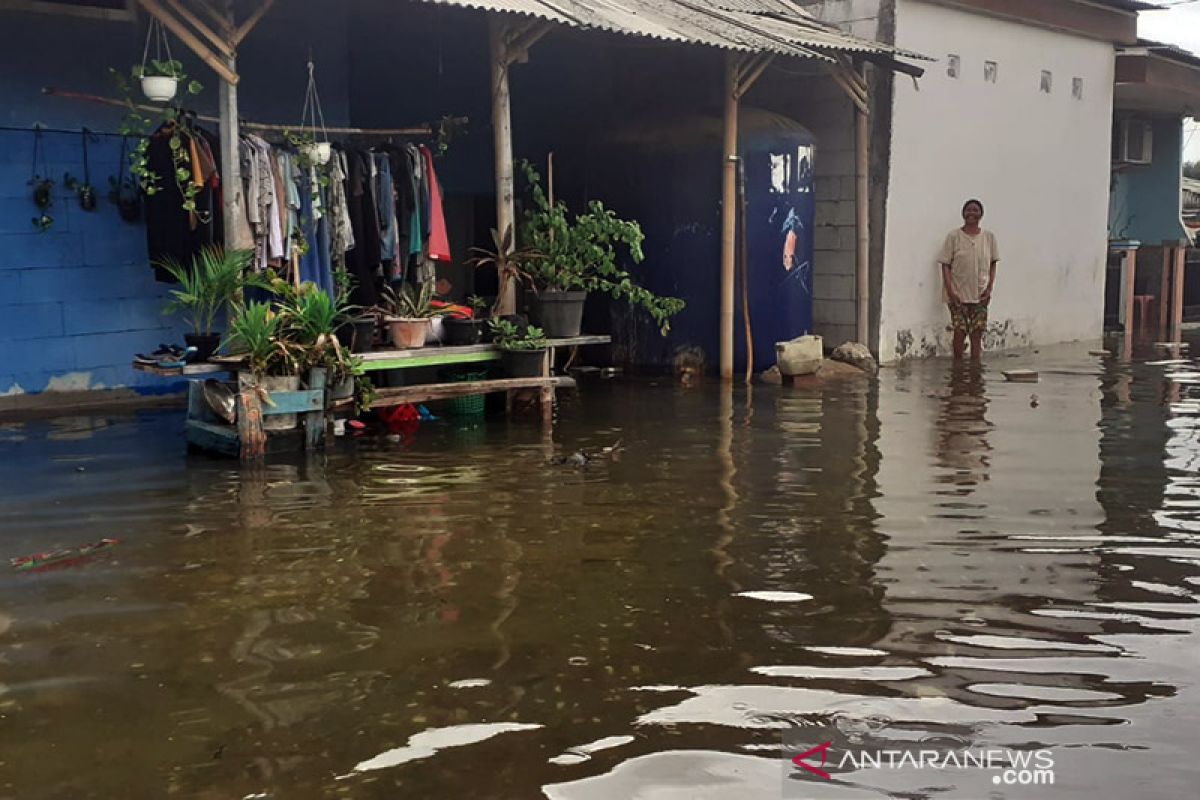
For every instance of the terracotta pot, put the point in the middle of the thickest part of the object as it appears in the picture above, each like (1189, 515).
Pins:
(408, 334)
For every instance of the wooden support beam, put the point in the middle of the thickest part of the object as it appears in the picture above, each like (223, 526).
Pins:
(425, 392)
(751, 71)
(1129, 276)
(862, 219)
(506, 213)
(1164, 292)
(215, 16)
(237, 230)
(1177, 305)
(518, 43)
(729, 163)
(156, 9)
(251, 435)
(216, 41)
(244, 29)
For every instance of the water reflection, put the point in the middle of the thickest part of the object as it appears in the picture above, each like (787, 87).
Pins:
(933, 557)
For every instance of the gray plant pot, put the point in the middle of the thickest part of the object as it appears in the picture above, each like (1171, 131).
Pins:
(561, 313)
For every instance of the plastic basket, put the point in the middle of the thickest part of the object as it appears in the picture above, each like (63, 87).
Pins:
(471, 405)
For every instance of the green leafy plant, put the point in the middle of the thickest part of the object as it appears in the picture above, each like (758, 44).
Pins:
(258, 333)
(213, 282)
(583, 252)
(479, 306)
(512, 264)
(141, 122)
(410, 303)
(507, 336)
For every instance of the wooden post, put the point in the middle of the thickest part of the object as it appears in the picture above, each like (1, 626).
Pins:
(729, 158)
(251, 436)
(1164, 291)
(502, 131)
(1177, 305)
(314, 421)
(546, 393)
(862, 209)
(236, 231)
(1130, 278)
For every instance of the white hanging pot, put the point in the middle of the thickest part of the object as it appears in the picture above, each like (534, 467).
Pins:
(159, 88)
(318, 152)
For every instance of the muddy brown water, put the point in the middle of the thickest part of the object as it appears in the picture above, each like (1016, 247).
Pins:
(937, 561)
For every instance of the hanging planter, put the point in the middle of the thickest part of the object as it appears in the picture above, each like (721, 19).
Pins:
(159, 77)
(43, 188)
(313, 145)
(83, 190)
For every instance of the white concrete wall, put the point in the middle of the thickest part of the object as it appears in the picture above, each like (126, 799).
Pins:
(1039, 162)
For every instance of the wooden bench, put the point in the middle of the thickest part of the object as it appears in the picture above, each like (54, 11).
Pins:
(546, 384)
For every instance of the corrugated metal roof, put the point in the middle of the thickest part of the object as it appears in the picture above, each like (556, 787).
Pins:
(760, 26)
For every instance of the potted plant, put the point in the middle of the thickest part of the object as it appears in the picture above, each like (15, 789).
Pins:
(409, 314)
(580, 253)
(159, 79)
(523, 353)
(511, 264)
(468, 330)
(260, 334)
(311, 320)
(213, 282)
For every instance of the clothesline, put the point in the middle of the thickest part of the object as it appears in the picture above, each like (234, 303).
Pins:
(417, 130)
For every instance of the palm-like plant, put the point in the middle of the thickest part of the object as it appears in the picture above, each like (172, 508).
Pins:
(259, 334)
(409, 303)
(512, 264)
(214, 281)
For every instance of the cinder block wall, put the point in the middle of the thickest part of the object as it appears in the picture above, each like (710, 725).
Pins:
(831, 119)
(77, 301)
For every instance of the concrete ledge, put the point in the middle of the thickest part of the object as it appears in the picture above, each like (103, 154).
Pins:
(56, 404)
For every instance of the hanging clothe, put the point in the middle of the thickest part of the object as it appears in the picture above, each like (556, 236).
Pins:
(316, 265)
(363, 261)
(385, 192)
(439, 240)
(171, 231)
(341, 234)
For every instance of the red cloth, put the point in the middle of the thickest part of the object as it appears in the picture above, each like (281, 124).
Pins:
(439, 241)
(453, 310)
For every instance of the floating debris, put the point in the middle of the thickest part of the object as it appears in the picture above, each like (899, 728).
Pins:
(776, 597)
(1021, 375)
(470, 683)
(60, 558)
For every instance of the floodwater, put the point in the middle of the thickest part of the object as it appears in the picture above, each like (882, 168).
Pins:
(940, 562)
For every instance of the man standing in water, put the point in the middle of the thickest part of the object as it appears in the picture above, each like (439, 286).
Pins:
(968, 261)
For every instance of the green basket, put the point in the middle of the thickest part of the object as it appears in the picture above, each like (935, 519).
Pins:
(471, 405)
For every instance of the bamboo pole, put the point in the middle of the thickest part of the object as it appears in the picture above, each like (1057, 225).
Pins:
(237, 232)
(244, 29)
(729, 154)
(862, 218)
(502, 128)
(188, 38)
(744, 272)
(208, 33)
(418, 130)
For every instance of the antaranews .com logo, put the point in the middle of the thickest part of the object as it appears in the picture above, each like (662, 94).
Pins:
(813, 765)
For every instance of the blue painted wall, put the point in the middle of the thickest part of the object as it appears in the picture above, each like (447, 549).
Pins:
(77, 302)
(1145, 200)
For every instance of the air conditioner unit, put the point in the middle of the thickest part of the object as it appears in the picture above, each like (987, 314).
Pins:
(1134, 142)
